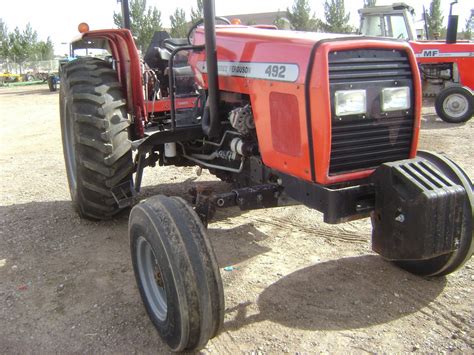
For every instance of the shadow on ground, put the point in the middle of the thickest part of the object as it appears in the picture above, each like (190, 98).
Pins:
(347, 293)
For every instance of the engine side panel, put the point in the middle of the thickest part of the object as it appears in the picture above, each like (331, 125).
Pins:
(271, 69)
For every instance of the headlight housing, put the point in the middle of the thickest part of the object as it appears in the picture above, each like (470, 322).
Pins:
(396, 99)
(350, 102)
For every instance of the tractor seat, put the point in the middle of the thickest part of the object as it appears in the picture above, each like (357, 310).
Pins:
(183, 71)
(172, 43)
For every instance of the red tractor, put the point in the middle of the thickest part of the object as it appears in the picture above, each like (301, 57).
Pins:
(328, 121)
(445, 66)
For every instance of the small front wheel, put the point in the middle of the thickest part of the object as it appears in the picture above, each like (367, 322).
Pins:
(176, 272)
(454, 105)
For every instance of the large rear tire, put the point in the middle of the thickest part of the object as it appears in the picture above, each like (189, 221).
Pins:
(94, 127)
(176, 272)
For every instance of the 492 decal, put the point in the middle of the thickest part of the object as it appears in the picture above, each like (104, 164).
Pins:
(270, 71)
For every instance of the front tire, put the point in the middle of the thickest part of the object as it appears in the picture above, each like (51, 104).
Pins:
(176, 272)
(94, 128)
(454, 105)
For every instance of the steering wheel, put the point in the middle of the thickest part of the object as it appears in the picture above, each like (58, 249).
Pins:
(200, 22)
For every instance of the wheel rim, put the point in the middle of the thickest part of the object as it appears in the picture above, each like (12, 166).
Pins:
(455, 105)
(69, 145)
(151, 279)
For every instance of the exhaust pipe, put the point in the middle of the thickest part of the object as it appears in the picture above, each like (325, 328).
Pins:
(210, 121)
(126, 14)
(452, 32)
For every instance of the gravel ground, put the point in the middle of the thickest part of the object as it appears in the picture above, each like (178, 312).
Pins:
(298, 285)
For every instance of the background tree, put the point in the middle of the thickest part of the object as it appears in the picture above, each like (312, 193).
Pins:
(22, 45)
(435, 19)
(467, 33)
(300, 16)
(179, 27)
(337, 20)
(369, 3)
(144, 21)
(45, 50)
(4, 40)
(198, 13)
(281, 22)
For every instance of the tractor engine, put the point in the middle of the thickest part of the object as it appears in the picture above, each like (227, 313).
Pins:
(436, 76)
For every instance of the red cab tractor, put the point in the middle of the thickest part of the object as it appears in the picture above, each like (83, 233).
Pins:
(328, 121)
(445, 66)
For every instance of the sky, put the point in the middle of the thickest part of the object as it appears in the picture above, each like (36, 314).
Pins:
(59, 19)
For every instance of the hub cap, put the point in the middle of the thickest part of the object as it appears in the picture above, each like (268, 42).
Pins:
(455, 105)
(151, 279)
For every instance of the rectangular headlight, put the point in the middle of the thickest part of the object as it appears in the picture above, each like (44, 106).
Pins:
(350, 102)
(395, 99)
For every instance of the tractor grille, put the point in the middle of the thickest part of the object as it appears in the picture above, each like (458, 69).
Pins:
(365, 141)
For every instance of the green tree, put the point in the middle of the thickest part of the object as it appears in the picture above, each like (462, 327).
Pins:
(144, 21)
(44, 50)
(300, 16)
(435, 19)
(4, 40)
(22, 45)
(467, 33)
(369, 3)
(337, 20)
(197, 14)
(179, 27)
(281, 22)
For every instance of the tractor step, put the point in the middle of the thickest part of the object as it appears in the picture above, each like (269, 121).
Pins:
(124, 194)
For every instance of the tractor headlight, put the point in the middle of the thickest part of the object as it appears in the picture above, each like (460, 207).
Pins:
(350, 102)
(395, 99)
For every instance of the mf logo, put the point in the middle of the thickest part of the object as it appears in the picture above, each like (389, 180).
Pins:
(430, 53)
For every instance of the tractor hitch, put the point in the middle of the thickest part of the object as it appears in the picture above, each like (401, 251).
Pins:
(248, 198)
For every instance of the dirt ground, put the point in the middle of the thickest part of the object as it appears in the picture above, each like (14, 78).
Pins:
(298, 285)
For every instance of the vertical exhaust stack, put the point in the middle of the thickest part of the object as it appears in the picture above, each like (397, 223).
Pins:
(211, 121)
(452, 32)
(125, 14)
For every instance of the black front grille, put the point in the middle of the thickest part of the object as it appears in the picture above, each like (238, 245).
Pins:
(364, 145)
(368, 65)
(366, 141)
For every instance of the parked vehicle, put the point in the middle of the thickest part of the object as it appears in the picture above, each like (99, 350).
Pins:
(329, 121)
(445, 66)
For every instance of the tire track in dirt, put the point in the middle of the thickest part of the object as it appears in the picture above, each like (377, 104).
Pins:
(329, 233)
(224, 343)
(283, 223)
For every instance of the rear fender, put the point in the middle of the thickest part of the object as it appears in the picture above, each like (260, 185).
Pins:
(125, 52)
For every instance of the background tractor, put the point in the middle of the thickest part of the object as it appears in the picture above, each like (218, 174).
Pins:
(445, 66)
(325, 120)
